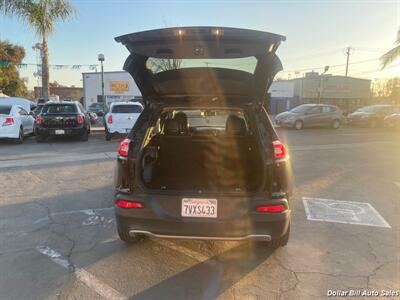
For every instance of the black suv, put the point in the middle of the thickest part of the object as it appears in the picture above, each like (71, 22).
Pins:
(62, 119)
(203, 160)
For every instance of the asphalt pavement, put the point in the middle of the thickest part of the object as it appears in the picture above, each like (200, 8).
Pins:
(58, 238)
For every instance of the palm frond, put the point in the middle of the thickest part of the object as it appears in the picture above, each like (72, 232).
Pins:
(40, 14)
(390, 56)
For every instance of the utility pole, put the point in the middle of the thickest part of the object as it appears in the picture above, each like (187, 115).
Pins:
(103, 98)
(348, 52)
(326, 69)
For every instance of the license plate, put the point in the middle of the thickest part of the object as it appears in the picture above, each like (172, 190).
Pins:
(200, 208)
(60, 131)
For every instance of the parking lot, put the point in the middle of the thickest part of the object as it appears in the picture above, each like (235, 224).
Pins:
(58, 236)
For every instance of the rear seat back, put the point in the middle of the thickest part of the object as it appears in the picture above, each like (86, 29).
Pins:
(175, 149)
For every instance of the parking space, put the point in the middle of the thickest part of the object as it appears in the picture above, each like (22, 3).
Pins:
(58, 235)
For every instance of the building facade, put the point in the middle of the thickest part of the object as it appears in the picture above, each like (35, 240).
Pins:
(63, 92)
(345, 92)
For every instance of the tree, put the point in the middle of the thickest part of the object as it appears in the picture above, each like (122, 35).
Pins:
(164, 64)
(42, 16)
(10, 82)
(392, 54)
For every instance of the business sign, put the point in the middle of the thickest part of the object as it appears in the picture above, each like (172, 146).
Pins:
(119, 87)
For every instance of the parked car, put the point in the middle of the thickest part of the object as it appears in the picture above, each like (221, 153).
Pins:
(97, 108)
(370, 116)
(393, 120)
(121, 118)
(62, 119)
(311, 115)
(15, 122)
(203, 160)
(93, 117)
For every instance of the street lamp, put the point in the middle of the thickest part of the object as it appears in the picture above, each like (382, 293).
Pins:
(320, 84)
(100, 57)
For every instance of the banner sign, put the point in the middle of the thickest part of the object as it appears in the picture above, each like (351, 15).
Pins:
(119, 87)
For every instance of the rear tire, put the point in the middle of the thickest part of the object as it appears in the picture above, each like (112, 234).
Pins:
(40, 138)
(85, 136)
(20, 138)
(124, 236)
(298, 125)
(280, 242)
(108, 135)
(335, 124)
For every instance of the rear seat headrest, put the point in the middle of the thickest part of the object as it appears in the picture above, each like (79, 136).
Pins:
(235, 125)
(171, 127)
(181, 118)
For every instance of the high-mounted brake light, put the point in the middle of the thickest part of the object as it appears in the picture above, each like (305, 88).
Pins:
(129, 204)
(109, 120)
(123, 148)
(276, 208)
(80, 119)
(39, 120)
(280, 151)
(8, 121)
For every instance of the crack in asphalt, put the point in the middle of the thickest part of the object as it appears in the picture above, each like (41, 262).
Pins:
(62, 234)
(283, 292)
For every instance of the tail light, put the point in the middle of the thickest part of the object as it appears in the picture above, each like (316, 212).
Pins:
(109, 120)
(280, 151)
(39, 120)
(80, 119)
(123, 148)
(129, 204)
(276, 208)
(8, 121)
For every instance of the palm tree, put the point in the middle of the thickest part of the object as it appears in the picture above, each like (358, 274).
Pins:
(393, 54)
(41, 15)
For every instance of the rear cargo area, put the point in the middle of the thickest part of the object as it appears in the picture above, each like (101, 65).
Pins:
(208, 163)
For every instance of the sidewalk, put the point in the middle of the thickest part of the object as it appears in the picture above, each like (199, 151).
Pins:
(52, 159)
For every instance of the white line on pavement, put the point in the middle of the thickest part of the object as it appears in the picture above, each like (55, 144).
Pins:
(56, 159)
(82, 275)
(336, 146)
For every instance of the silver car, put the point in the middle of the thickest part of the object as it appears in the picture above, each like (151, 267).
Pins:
(311, 115)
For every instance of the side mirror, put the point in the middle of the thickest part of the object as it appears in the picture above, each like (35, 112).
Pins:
(31, 113)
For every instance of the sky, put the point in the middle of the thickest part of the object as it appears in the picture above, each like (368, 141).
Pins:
(317, 32)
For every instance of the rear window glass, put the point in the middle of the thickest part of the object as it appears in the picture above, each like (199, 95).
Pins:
(246, 64)
(59, 109)
(126, 109)
(5, 110)
(301, 108)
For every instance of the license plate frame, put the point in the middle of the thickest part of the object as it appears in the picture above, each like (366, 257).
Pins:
(59, 131)
(199, 208)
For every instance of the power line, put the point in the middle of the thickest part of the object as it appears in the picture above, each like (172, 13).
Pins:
(332, 66)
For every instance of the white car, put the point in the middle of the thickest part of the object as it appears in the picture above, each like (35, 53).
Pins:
(15, 122)
(121, 118)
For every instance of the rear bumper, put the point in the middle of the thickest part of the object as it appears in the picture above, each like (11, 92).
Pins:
(118, 130)
(154, 220)
(358, 122)
(9, 132)
(284, 123)
(67, 131)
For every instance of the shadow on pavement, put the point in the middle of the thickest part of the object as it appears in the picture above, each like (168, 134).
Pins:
(210, 278)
